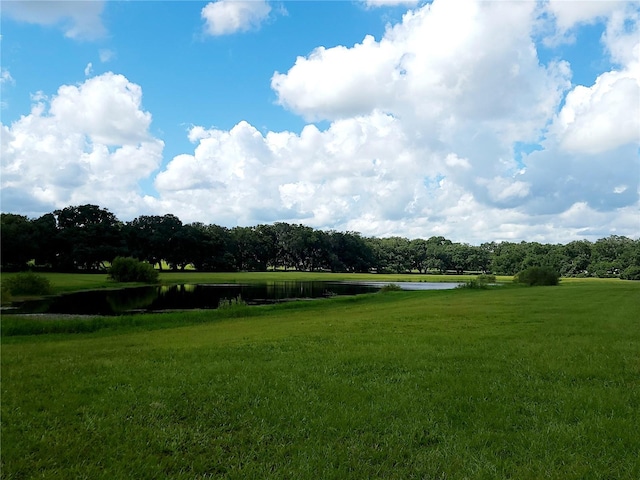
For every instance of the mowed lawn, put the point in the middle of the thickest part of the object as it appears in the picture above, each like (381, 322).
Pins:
(510, 382)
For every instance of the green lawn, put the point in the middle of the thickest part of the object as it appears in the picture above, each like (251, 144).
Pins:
(509, 382)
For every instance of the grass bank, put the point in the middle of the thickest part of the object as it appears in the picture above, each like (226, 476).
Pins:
(504, 383)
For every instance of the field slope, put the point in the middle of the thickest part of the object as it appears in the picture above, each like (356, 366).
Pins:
(503, 383)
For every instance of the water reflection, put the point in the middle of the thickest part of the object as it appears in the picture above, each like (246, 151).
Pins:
(192, 296)
(184, 297)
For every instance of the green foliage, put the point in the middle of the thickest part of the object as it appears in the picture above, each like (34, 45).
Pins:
(27, 283)
(536, 276)
(87, 237)
(127, 269)
(17, 242)
(481, 282)
(486, 278)
(631, 273)
(231, 303)
(392, 287)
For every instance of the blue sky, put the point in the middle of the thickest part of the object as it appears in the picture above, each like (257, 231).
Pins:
(478, 121)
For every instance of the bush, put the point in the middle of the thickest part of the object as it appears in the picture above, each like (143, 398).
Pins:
(392, 287)
(534, 276)
(231, 303)
(481, 282)
(631, 273)
(27, 283)
(127, 269)
(486, 278)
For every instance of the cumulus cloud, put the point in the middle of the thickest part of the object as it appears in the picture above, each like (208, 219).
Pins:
(88, 143)
(592, 143)
(79, 20)
(225, 17)
(445, 65)
(570, 13)
(424, 130)
(601, 117)
(317, 176)
(424, 126)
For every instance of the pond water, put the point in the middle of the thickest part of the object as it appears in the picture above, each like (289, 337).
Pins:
(189, 296)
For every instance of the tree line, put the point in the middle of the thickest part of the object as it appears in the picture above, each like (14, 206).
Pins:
(88, 238)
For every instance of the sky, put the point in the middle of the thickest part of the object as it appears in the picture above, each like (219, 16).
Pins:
(474, 120)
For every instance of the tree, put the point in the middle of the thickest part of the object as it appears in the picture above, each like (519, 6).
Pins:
(216, 254)
(254, 247)
(188, 246)
(88, 236)
(309, 248)
(391, 254)
(612, 255)
(348, 252)
(149, 237)
(577, 258)
(17, 242)
(508, 258)
(46, 243)
(419, 254)
(438, 254)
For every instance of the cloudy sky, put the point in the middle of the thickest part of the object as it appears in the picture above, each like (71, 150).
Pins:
(475, 120)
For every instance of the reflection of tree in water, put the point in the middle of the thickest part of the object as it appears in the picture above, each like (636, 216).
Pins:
(189, 296)
(131, 299)
(186, 288)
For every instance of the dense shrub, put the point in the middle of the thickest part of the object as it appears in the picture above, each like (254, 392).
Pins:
(533, 276)
(27, 283)
(127, 269)
(631, 273)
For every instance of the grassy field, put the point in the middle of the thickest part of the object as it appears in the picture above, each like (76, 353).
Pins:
(510, 382)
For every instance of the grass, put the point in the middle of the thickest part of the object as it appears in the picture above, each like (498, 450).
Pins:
(508, 382)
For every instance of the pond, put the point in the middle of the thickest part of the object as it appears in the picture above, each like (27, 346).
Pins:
(190, 296)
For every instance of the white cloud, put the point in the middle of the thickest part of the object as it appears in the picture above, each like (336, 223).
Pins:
(601, 117)
(424, 126)
(224, 17)
(599, 123)
(106, 55)
(316, 176)
(446, 65)
(5, 77)
(106, 108)
(80, 20)
(88, 69)
(570, 13)
(89, 143)
(389, 3)
(424, 139)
